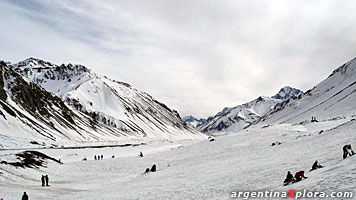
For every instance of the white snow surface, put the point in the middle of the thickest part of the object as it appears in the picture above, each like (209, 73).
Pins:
(195, 169)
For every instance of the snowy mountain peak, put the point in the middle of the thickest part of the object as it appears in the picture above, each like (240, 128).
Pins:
(287, 92)
(242, 116)
(33, 62)
(71, 102)
(193, 121)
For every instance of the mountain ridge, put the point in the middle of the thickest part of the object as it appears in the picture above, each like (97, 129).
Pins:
(94, 107)
(244, 115)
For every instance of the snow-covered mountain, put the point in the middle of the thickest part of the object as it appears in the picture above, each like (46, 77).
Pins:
(41, 100)
(332, 98)
(287, 93)
(192, 121)
(242, 116)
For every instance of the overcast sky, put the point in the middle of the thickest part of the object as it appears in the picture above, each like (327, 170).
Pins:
(196, 56)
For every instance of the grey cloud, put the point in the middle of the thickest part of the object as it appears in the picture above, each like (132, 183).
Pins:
(196, 56)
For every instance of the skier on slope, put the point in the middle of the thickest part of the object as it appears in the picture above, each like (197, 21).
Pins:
(347, 151)
(299, 176)
(289, 178)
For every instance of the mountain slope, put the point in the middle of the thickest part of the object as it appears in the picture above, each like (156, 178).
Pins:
(333, 97)
(73, 103)
(242, 116)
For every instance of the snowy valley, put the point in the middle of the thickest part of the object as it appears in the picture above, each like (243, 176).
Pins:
(189, 166)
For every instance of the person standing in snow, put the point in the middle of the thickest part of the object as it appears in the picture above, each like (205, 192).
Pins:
(347, 149)
(101, 157)
(299, 176)
(43, 181)
(24, 196)
(289, 178)
(95, 157)
(47, 180)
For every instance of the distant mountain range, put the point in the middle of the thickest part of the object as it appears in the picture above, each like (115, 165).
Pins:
(41, 102)
(242, 116)
(334, 97)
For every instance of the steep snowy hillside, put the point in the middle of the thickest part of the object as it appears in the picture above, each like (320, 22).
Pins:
(334, 97)
(242, 116)
(28, 112)
(89, 107)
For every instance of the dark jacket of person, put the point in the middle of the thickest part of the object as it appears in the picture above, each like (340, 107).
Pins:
(43, 180)
(289, 178)
(316, 165)
(347, 151)
(299, 175)
(24, 196)
(153, 168)
(47, 180)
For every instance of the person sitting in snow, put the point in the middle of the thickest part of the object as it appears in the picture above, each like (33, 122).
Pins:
(316, 166)
(299, 176)
(289, 178)
(141, 154)
(153, 168)
(347, 151)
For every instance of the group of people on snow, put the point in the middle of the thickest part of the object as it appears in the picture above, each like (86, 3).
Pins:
(45, 181)
(153, 169)
(98, 157)
(298, 176)
(347, 151)
(314, 119)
